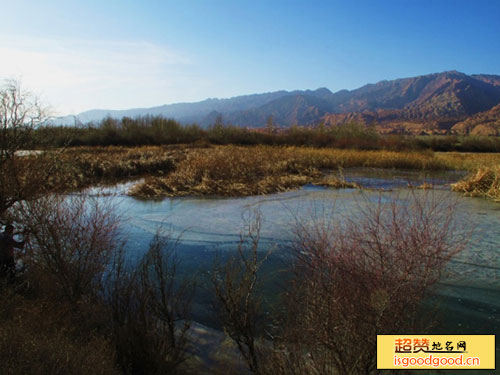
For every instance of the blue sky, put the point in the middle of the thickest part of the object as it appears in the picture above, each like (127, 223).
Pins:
(79, 55)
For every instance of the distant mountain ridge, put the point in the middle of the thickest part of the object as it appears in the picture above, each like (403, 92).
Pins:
(430, 103)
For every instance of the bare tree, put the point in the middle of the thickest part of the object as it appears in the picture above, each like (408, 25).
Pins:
(20, 113)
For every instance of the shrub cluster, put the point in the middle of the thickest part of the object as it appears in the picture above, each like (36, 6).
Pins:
(351, 278)
(80, 307)
(155, 130)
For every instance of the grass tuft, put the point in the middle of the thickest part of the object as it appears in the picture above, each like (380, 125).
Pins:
(485, 182)
(336, 183)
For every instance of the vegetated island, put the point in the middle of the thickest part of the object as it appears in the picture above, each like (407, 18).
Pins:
(231, 170)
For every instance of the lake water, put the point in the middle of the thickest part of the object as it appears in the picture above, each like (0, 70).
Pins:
(468, 295)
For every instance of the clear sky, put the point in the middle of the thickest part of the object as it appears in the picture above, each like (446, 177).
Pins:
(118, 54)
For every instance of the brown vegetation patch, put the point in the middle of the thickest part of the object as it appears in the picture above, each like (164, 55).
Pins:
(82, 167)
(425, 186)
(43, 337)
(336, 183)
(227, 170)
(230, 171)
(243, 171)
(483, 183)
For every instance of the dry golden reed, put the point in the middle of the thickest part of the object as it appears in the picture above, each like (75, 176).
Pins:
(82, 167)
(241, 171)
(485, 182)
(467, 160)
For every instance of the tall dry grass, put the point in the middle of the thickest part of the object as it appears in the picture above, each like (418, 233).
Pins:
(42, 336)
(485, 182)
(468, 161)
(242, 171)
(157, 130)
(484, 177)
(239, 170)
(81, 167)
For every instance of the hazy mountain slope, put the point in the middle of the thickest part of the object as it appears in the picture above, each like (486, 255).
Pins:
(193, 112)
(285, 111)
(188, 110)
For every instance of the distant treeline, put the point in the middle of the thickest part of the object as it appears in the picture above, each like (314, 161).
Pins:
(151, 130)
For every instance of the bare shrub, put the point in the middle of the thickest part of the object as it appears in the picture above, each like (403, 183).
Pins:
(72, 243)
(362, 276)
(77, 269)
(150, 311)
(52, 319)
(238, 302)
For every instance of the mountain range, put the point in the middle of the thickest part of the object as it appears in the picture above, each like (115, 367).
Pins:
(448, 102)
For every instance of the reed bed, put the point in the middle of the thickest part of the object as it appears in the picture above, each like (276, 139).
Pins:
(485, 182)
(468, 161)
(484, 177)
(251, 170)
(230, 171)
(242, 171)
(81, 167)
